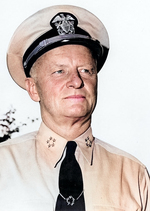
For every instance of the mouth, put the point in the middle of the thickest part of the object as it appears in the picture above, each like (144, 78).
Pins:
(75, 97)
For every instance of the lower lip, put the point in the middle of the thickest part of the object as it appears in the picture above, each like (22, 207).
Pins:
(76, 98)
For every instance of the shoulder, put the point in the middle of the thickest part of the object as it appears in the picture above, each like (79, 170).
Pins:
(16, 156)
(19, 139)
(16, 144)
(116, 153)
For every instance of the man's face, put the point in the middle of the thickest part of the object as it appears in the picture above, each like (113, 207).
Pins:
(67, 83)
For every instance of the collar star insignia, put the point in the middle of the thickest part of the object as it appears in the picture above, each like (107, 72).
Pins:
(51, 142)
(88, 142)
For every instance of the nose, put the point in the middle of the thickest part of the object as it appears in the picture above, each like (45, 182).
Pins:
(74, 81)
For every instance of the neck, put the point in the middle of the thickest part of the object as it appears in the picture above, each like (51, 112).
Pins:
(68, 129)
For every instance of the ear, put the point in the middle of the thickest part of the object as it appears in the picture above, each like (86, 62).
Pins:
(32, 89)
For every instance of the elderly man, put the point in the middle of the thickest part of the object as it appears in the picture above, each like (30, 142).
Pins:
(55, 55)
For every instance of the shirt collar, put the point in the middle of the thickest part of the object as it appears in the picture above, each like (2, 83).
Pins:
(55, 144)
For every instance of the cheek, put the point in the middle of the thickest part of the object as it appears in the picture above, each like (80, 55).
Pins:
(52, 94)
(92, 87)
(93, 93)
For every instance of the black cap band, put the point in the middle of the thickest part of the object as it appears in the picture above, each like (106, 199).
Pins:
(32, 54)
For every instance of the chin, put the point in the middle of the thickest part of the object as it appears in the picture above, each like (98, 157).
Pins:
(77, 111)
(77, 114)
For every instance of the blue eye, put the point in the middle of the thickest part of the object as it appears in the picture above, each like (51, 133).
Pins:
(58, 72)
(88, 72)
(85, 71)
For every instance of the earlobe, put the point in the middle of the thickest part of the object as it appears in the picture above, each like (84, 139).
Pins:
(32, 89)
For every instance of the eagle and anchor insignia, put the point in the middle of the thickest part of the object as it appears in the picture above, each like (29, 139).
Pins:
(64, 23)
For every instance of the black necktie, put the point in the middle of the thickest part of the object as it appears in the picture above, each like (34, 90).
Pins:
(71, 195)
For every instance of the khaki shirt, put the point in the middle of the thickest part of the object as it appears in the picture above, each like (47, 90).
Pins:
(29, 171)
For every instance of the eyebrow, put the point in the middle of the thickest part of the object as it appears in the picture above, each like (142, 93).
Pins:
(57, 65)
(84, 65)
